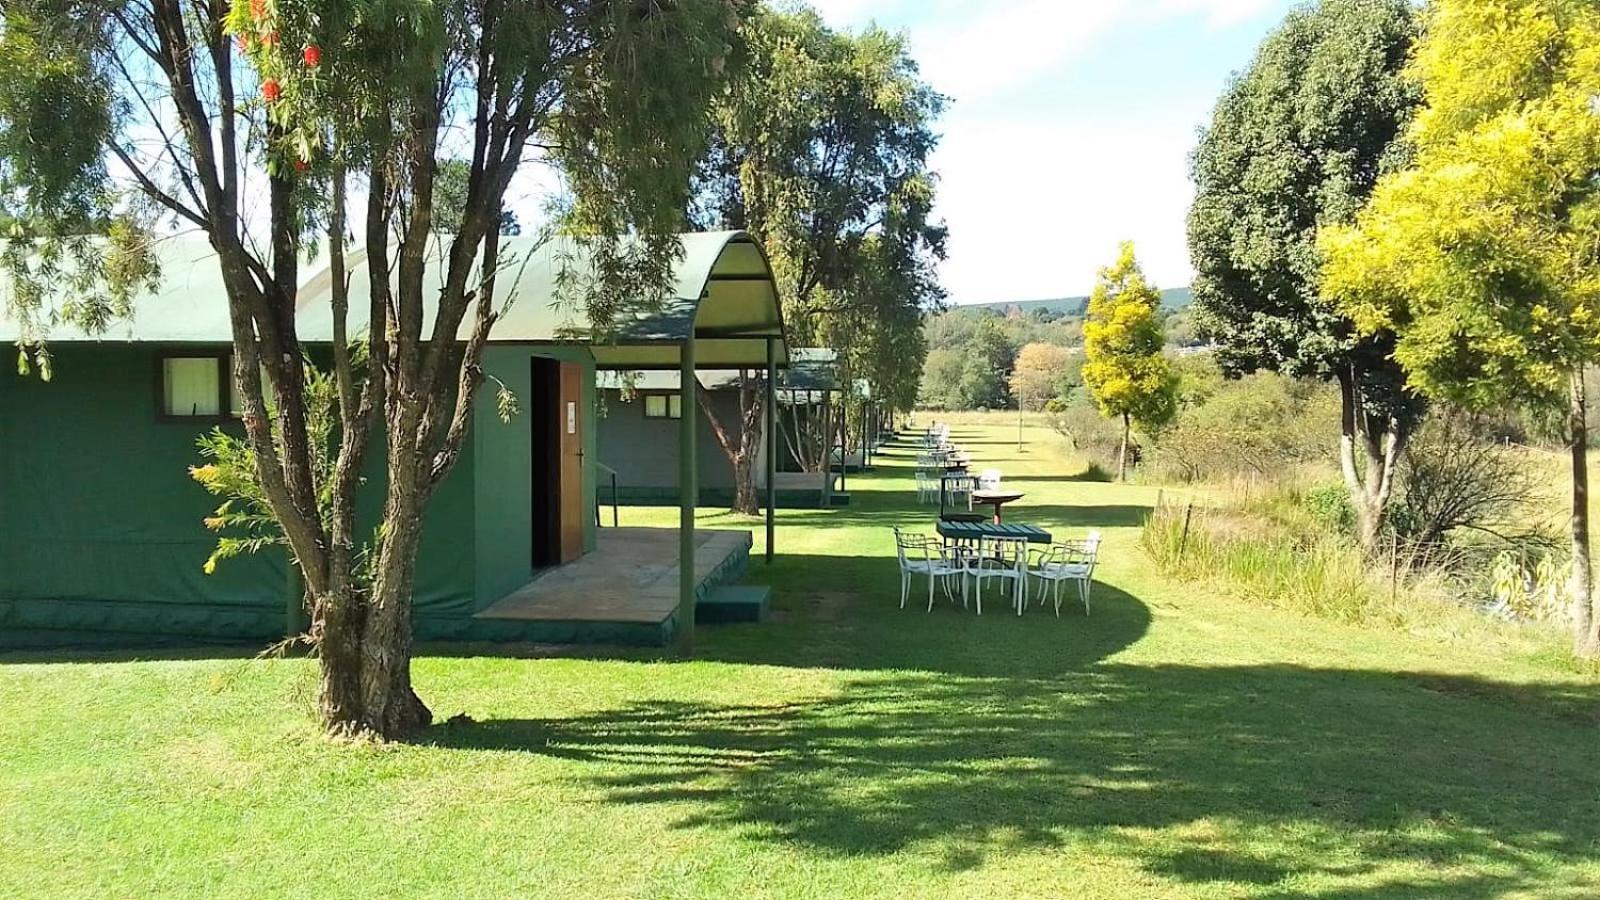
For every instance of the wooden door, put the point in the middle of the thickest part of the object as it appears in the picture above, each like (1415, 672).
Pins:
(569, 429)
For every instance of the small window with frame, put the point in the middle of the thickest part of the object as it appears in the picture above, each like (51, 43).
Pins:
(663, 406)
(194, 386)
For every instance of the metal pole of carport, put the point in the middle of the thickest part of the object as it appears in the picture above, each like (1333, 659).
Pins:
(688, 495)
(772, 443)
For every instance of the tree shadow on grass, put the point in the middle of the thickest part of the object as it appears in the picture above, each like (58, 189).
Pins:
(853, 620)
(1085, 516)
(1365, 783)
(970, 738)
(134, 649)
(888, 509)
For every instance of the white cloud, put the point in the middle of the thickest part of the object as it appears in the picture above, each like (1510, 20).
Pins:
(973, 58)
(974, 50)
(1042, 224)
(1218, 13)
(1036, 205)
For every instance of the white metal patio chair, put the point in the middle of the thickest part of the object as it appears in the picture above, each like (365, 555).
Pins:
(989, 480)
(1064, 562)
(927, 487)
(956, 490)
(922, 555)
(1000, 558)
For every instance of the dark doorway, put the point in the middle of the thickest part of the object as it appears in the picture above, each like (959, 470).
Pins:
(554, 412)
(544, 404)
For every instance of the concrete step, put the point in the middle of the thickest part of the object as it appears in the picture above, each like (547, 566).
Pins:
(735, 603)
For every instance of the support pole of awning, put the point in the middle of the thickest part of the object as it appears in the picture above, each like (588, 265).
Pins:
(844, 442)
(772, 444)
(827, 449)
(688, 495)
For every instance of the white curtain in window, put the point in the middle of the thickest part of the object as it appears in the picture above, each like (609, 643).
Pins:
(192, 386)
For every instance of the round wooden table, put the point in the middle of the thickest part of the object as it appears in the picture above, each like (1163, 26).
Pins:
(997, 499)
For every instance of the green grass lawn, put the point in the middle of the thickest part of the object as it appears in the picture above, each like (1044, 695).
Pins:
(1173, 744)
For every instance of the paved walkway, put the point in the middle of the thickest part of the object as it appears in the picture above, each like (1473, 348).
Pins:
(632, 576)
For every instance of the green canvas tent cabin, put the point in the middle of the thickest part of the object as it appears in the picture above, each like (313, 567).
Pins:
(640, 413)
(101, 533)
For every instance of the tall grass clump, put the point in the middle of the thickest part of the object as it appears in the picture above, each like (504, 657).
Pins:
(1265, 560)
(1274, 545)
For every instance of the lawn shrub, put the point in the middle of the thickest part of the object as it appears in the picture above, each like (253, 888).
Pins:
(1463, 498)
(1531, 589)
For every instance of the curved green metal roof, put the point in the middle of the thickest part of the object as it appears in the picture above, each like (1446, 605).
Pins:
(724, 295)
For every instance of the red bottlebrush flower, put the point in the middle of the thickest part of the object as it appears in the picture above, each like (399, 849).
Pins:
(258, 8)
(312, 55)
(270, 39)
(271, 90)
(302, 166)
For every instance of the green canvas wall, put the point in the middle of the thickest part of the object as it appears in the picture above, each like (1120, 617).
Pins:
(504, 465)
(100, 523)
(98, 502)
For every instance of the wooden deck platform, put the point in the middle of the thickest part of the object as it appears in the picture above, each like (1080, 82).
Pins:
(631, 577)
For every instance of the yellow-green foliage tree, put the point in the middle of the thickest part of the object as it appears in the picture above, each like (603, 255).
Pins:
(1123, 367)
(1483, 256)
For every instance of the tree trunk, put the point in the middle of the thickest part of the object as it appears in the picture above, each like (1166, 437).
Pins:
(336, 624)
(1585, 623)
(743, 448)
(1122, 454)
(746, 498)
(364, 643)
(1380, 442)
(389, 706)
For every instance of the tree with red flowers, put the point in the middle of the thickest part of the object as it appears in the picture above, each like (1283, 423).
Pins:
(119, 119)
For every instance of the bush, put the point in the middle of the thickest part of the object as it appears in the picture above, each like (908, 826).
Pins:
(1329, 505)
(1530, 589)
(1093, 437)
(1096, 472)
(1261, 424)
(1455, 489)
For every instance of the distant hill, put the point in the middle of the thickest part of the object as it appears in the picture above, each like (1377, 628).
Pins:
(1171, 299)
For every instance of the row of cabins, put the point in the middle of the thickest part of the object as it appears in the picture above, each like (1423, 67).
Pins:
(639, 413)
(101, 534)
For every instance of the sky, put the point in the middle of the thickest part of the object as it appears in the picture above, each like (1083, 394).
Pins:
(1069, 130)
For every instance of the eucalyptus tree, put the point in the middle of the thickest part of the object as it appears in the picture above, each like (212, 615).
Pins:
(1297, 142)
(1483, 256)
(273, 125)
(820, 150)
